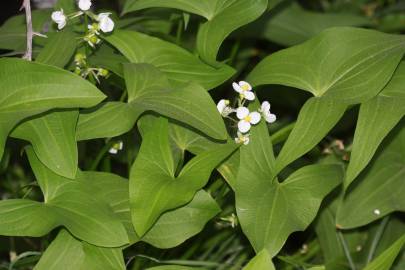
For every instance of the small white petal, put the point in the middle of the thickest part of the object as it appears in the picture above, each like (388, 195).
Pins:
(59, 18)
(249, 95)
(113, 150)
(245, 86)
(246, 141)
(61, 25)
(221, 105)
(265, 106)
(242, 112)
(237, 88)
(120, 145)
(255, 117)
(84, 4)
(106, 24)
(243, 126)
(377, 212)
(270, 118)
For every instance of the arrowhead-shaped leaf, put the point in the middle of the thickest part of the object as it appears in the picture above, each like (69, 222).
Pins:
(270, 211)
(179, 65)
(148, 89)
(69, 253)
(379, 189)
(343, 63)
(376, 119)
(154, 185)
(68, 203)
(53, 138)
(316, 118)
(224, 16)
(30, 88)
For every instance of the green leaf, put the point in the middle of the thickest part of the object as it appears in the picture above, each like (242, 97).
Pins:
(107, 120)
(186, 139)
(229, 16)
(68, 253)
(13, 33)
(376, 118)
(346, 64)
(59, 49)
(190, 105)
(148, 89)
(286, 26)
(64, 253)
(316, 118)
(178, 64)
(224, 16)
(379, 189)
(53, 137)
(262, 261)
(67, 202)
(202, 8)
(270, 211)
(171, 229)
(154, 185)
(174, 227)
(387, 258)
(31, 88)
(174, 267)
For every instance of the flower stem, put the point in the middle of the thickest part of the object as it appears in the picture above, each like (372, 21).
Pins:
(27, 7)
(377, 238)
(346, 251)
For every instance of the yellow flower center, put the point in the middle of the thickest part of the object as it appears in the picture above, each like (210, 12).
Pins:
(247, 118)
(245, 87)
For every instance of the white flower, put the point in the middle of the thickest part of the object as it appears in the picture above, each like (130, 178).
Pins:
(59, 18)
(242, 138)
(106, 24)
(84, 4)
(246, 119)
(223, 107)
(116, 147)
(244, 89)
(265, 110)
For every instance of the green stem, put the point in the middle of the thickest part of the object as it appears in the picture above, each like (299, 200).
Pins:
(377, 238)
(179, 32)
(100, 156)
(346, 251)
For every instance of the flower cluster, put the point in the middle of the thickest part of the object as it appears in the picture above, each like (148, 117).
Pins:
(102, 22)
(83, 69)
(245, 117)
(116, 147)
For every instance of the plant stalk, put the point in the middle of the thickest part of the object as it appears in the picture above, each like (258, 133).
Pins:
(30, 33)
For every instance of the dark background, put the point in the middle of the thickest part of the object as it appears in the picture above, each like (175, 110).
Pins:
(9, 9)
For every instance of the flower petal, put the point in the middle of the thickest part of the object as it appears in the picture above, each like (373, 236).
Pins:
(113, 151)
(265, 106)
(270, 118)
(237, 88)
(245, 86)
(221, 105)
(242, 112)
(84, 4)
(243, 126)
(255, 117)
(105, 23)
(249, 95)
